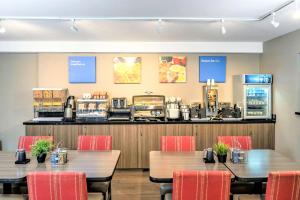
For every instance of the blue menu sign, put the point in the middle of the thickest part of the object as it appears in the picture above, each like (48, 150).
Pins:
(82, 69)
(257, 78)
(212, 67)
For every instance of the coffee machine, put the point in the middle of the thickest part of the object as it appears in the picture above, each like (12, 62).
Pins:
(70, 109)
(185, 112)
(119, 110)
(197, 111)
(228, 112)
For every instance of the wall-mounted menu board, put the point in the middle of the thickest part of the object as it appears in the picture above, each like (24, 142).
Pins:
(82, 69)
(212, 67)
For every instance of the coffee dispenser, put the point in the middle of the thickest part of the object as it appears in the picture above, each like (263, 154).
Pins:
(70, 109)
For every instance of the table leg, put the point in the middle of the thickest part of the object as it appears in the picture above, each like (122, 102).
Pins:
(6, 188)
(258, 188)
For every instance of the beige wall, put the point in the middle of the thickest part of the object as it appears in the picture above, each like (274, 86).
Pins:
(53, 72)
(18, 75)
(281, 58)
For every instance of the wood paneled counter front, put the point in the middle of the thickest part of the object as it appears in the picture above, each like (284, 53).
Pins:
(137, 139)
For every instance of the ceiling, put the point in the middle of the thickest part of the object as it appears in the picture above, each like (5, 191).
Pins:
(168, 31)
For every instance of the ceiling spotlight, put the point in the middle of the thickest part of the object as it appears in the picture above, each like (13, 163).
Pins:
(159, 26)
(73, 27)
(223, 29)
(297, 10)
(274, 22)
(2, 28)
(297, 14)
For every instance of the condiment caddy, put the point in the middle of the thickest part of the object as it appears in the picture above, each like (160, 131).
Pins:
(59, 156)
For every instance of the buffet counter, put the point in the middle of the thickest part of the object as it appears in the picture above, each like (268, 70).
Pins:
(136, 139)
(76, 122)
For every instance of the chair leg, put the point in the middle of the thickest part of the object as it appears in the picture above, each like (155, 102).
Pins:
(104, 195)
(109, 191)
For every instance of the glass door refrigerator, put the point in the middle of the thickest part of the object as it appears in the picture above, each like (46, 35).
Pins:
(254, 93)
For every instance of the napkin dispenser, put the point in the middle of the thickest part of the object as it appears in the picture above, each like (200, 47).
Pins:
(208, 155)
(59, 156)
(238, 156)
(21, 157)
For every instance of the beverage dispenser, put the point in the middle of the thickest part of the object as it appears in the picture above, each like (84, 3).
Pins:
(210, 94)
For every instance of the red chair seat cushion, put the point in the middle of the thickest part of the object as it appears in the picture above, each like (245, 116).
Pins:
(58, 186)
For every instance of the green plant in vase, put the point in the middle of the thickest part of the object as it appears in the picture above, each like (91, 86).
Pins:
(40, 149)
(221, 149)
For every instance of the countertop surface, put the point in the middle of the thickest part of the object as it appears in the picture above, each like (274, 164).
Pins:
(78, 122)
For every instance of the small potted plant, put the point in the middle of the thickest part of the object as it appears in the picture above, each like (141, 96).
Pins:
(40, 149)
(221, 149)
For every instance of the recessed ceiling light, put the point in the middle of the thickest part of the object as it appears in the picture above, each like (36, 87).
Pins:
(273, 21)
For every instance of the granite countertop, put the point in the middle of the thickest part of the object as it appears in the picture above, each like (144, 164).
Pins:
(78, 122)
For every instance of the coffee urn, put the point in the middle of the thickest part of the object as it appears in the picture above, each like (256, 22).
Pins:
(70, 108)
(185, 112)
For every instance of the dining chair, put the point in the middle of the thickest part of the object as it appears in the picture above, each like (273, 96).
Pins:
(175, 144)
(198, 185)
(57, 185)
(96, 143)
(242, 142)
(284, 185)
(25, 142)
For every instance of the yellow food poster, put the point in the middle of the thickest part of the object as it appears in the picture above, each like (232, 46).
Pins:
(127, 69)
(172, 69)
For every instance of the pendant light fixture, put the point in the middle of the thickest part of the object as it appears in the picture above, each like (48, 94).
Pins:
(273, 21)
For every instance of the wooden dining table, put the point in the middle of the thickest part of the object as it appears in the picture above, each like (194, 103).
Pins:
(99, 166)
(162, 164)
(257, 167)
(259, 164)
